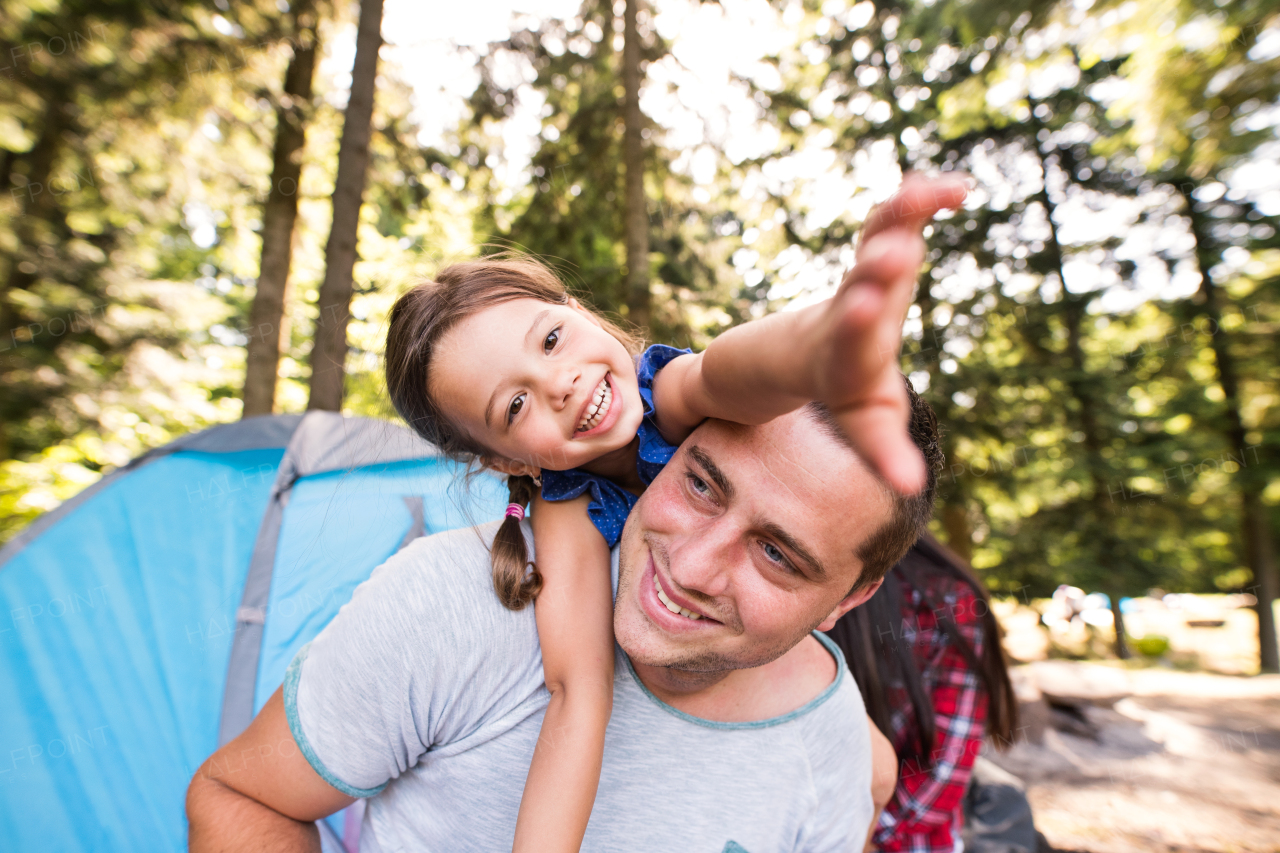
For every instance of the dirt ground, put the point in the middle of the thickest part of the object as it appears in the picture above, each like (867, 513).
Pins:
(1185, 761)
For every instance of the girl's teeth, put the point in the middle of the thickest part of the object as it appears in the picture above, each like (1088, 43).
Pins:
(598, 408)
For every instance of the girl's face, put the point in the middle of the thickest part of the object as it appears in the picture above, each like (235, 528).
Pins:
(539, 385)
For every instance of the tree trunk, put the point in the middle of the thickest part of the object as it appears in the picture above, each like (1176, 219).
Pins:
(36, 201)
(955, 522)
(1257, 544)
(328, 357)
(37, 211)
(267, 331)
(7, 163)
(1255, 535)
(1117, 621)
(637, 220)
(1106, 540)
(1078, 380)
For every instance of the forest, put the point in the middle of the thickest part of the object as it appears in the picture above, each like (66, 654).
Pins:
(208, 209)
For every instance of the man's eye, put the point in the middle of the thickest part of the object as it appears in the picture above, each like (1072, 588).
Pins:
(699, 485)
(549, 343)
(514, 409)
(774, 553)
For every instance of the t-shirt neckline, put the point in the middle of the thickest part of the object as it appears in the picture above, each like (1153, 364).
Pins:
(813, 703)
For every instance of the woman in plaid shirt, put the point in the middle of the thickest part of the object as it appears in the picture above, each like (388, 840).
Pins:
(925, 651)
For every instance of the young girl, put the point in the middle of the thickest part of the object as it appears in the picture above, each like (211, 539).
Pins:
(495, 362)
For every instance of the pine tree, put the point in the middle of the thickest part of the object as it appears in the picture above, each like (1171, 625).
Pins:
(574, 212)
(637, 214)
(267, 329)
(328, 356)
(1220, 87)
(78, 73)
(1058, 446)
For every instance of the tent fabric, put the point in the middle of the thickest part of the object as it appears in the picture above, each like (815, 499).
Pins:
(251, 434)
(119, 611)
(321, 442)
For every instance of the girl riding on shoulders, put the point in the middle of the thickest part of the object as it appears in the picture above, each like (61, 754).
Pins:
(495, 362)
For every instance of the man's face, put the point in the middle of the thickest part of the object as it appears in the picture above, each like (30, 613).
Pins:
(754, 531)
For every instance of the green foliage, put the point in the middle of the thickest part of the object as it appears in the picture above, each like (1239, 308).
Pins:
(1084, 440)
(1061, 329)
(570, 212)
(136, 153)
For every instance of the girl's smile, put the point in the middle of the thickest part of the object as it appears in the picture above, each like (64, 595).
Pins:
(601, 410)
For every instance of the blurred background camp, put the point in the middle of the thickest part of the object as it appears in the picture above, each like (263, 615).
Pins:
(208, 209)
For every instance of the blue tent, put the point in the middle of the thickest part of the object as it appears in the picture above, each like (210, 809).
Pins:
(144, 622)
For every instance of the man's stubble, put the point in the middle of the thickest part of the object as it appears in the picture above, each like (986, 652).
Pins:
(693, 661)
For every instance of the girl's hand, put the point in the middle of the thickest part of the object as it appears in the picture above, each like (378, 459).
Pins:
(860, 333)
(915, 204)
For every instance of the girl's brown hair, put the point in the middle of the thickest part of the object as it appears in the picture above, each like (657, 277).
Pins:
(419, 320)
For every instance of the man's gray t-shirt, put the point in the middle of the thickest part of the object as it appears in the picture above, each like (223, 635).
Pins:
(427, 695)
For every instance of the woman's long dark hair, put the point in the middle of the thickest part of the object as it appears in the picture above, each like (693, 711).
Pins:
(871, 637)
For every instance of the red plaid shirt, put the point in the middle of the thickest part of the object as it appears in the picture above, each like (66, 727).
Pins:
(924, 814)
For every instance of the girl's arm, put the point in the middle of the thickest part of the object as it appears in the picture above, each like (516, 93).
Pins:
(843, 352)
(751, 374)
(574, 611)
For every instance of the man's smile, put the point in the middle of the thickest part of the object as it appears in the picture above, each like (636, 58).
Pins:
(671, 605)
(667, 609)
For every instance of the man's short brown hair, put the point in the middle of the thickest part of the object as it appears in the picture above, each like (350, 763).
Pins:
(911, 513)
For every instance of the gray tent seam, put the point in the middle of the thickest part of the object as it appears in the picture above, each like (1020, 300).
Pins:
(323, 441)
(419, 527)
(251, 616)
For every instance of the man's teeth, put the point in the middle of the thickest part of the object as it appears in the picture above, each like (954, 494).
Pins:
(671, 605)
(598, 408)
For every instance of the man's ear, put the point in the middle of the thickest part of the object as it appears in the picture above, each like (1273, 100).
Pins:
(588, 313)
(850, 601)
(511, 467)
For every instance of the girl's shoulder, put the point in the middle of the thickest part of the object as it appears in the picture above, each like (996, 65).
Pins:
(655, 451)
(653, 359)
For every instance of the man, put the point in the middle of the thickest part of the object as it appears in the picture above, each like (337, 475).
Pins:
(734, 727)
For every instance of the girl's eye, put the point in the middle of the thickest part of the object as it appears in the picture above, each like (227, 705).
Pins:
(514, 409)
(549, 343)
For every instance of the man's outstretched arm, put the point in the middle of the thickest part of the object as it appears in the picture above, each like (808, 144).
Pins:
(259, 793)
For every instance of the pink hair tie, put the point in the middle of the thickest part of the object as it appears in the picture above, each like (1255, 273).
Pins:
(515, 511)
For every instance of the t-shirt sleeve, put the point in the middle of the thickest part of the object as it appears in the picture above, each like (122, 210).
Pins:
(839, 748)
(422, 658)
(655, 451)
(648, 364)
